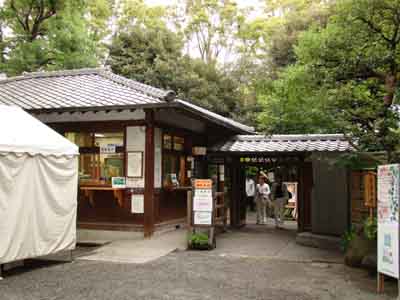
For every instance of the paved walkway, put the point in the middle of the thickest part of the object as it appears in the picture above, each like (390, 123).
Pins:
(262, 241)
(257, 262)
(267, 242)
(139, 250)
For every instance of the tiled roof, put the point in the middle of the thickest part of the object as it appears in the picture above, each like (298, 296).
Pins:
(285, 143)
(90, 89)
(76, 89)
(213, 116)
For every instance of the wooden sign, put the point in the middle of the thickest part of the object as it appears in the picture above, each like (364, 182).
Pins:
(370, 190)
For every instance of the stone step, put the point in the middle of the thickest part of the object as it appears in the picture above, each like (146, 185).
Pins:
(318, 241)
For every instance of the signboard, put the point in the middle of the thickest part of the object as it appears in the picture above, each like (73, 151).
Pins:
(118, 182)
(134, 167)
(107, 149)
(137, 204)
(370, 189)
(202, 202)
(199, 150)
(388, 219)
(203, 184)
(203, 217)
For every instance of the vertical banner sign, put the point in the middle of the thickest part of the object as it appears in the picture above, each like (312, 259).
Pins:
(202, 202)
(388, 219)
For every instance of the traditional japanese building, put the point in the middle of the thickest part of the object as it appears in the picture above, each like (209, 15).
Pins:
(140, 147)
(123, 129)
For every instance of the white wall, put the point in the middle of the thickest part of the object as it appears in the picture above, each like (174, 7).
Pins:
(157, 158)
(136, 141)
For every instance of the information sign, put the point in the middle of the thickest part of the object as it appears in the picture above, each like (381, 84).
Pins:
(202, 202)
(388, 219)
(118, 182)
(137, 204)
(203, 217)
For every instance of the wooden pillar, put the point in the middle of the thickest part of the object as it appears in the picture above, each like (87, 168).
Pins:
(300, 199)
(235, 195)
(149, 206)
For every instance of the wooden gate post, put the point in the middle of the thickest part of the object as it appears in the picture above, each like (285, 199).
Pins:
(149, 215)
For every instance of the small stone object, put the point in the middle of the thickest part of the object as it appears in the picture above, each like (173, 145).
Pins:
(320, 265)
(370, 262)
(358, 249)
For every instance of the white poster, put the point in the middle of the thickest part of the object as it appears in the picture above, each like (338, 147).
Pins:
(388, 250)
(202, 218)
(137, 204)
(135, 164)
(203, 200)
(388, 219)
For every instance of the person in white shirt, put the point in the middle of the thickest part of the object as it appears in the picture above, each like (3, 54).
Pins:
(262, 198)
(250, 193)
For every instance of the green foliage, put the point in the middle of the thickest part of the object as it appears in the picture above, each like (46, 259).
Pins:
(51, 35)
(344, 78)
(371, 228)
(210, 25)
(198, 239)
(154, 55)
(347, 238)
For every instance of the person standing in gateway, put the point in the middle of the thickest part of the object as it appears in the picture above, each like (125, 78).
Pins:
(262, 198)
(250, 193)
(280, 196)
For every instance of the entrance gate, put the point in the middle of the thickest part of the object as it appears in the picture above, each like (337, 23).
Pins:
(292, 167)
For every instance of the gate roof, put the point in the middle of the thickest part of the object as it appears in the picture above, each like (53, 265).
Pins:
(284, 143)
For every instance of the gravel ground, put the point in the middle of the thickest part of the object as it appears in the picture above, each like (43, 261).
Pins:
(190, 276)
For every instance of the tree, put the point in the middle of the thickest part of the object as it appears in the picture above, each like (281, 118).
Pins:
(209, 26)
(154, 56)
(49, 35)
(138, 13)
(345, 76)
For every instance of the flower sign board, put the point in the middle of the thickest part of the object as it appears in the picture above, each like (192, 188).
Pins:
(388, 219)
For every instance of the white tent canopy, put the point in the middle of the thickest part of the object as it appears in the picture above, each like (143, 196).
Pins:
(22, 133)
(38, 188)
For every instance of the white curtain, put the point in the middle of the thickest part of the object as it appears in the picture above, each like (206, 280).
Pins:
(38, 205)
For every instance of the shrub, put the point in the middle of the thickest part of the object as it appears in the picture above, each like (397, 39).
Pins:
(198, 239)
(371, 228)
(347, 237)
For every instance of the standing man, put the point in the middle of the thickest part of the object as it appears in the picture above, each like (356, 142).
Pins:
(262, 197)
(250, 193)
(280, 196)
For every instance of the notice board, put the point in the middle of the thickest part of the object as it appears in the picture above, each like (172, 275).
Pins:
(202, 202)
(388, 219)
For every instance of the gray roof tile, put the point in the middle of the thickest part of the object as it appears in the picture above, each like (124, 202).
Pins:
(95, 88)
(285, 143)
(76, 89)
